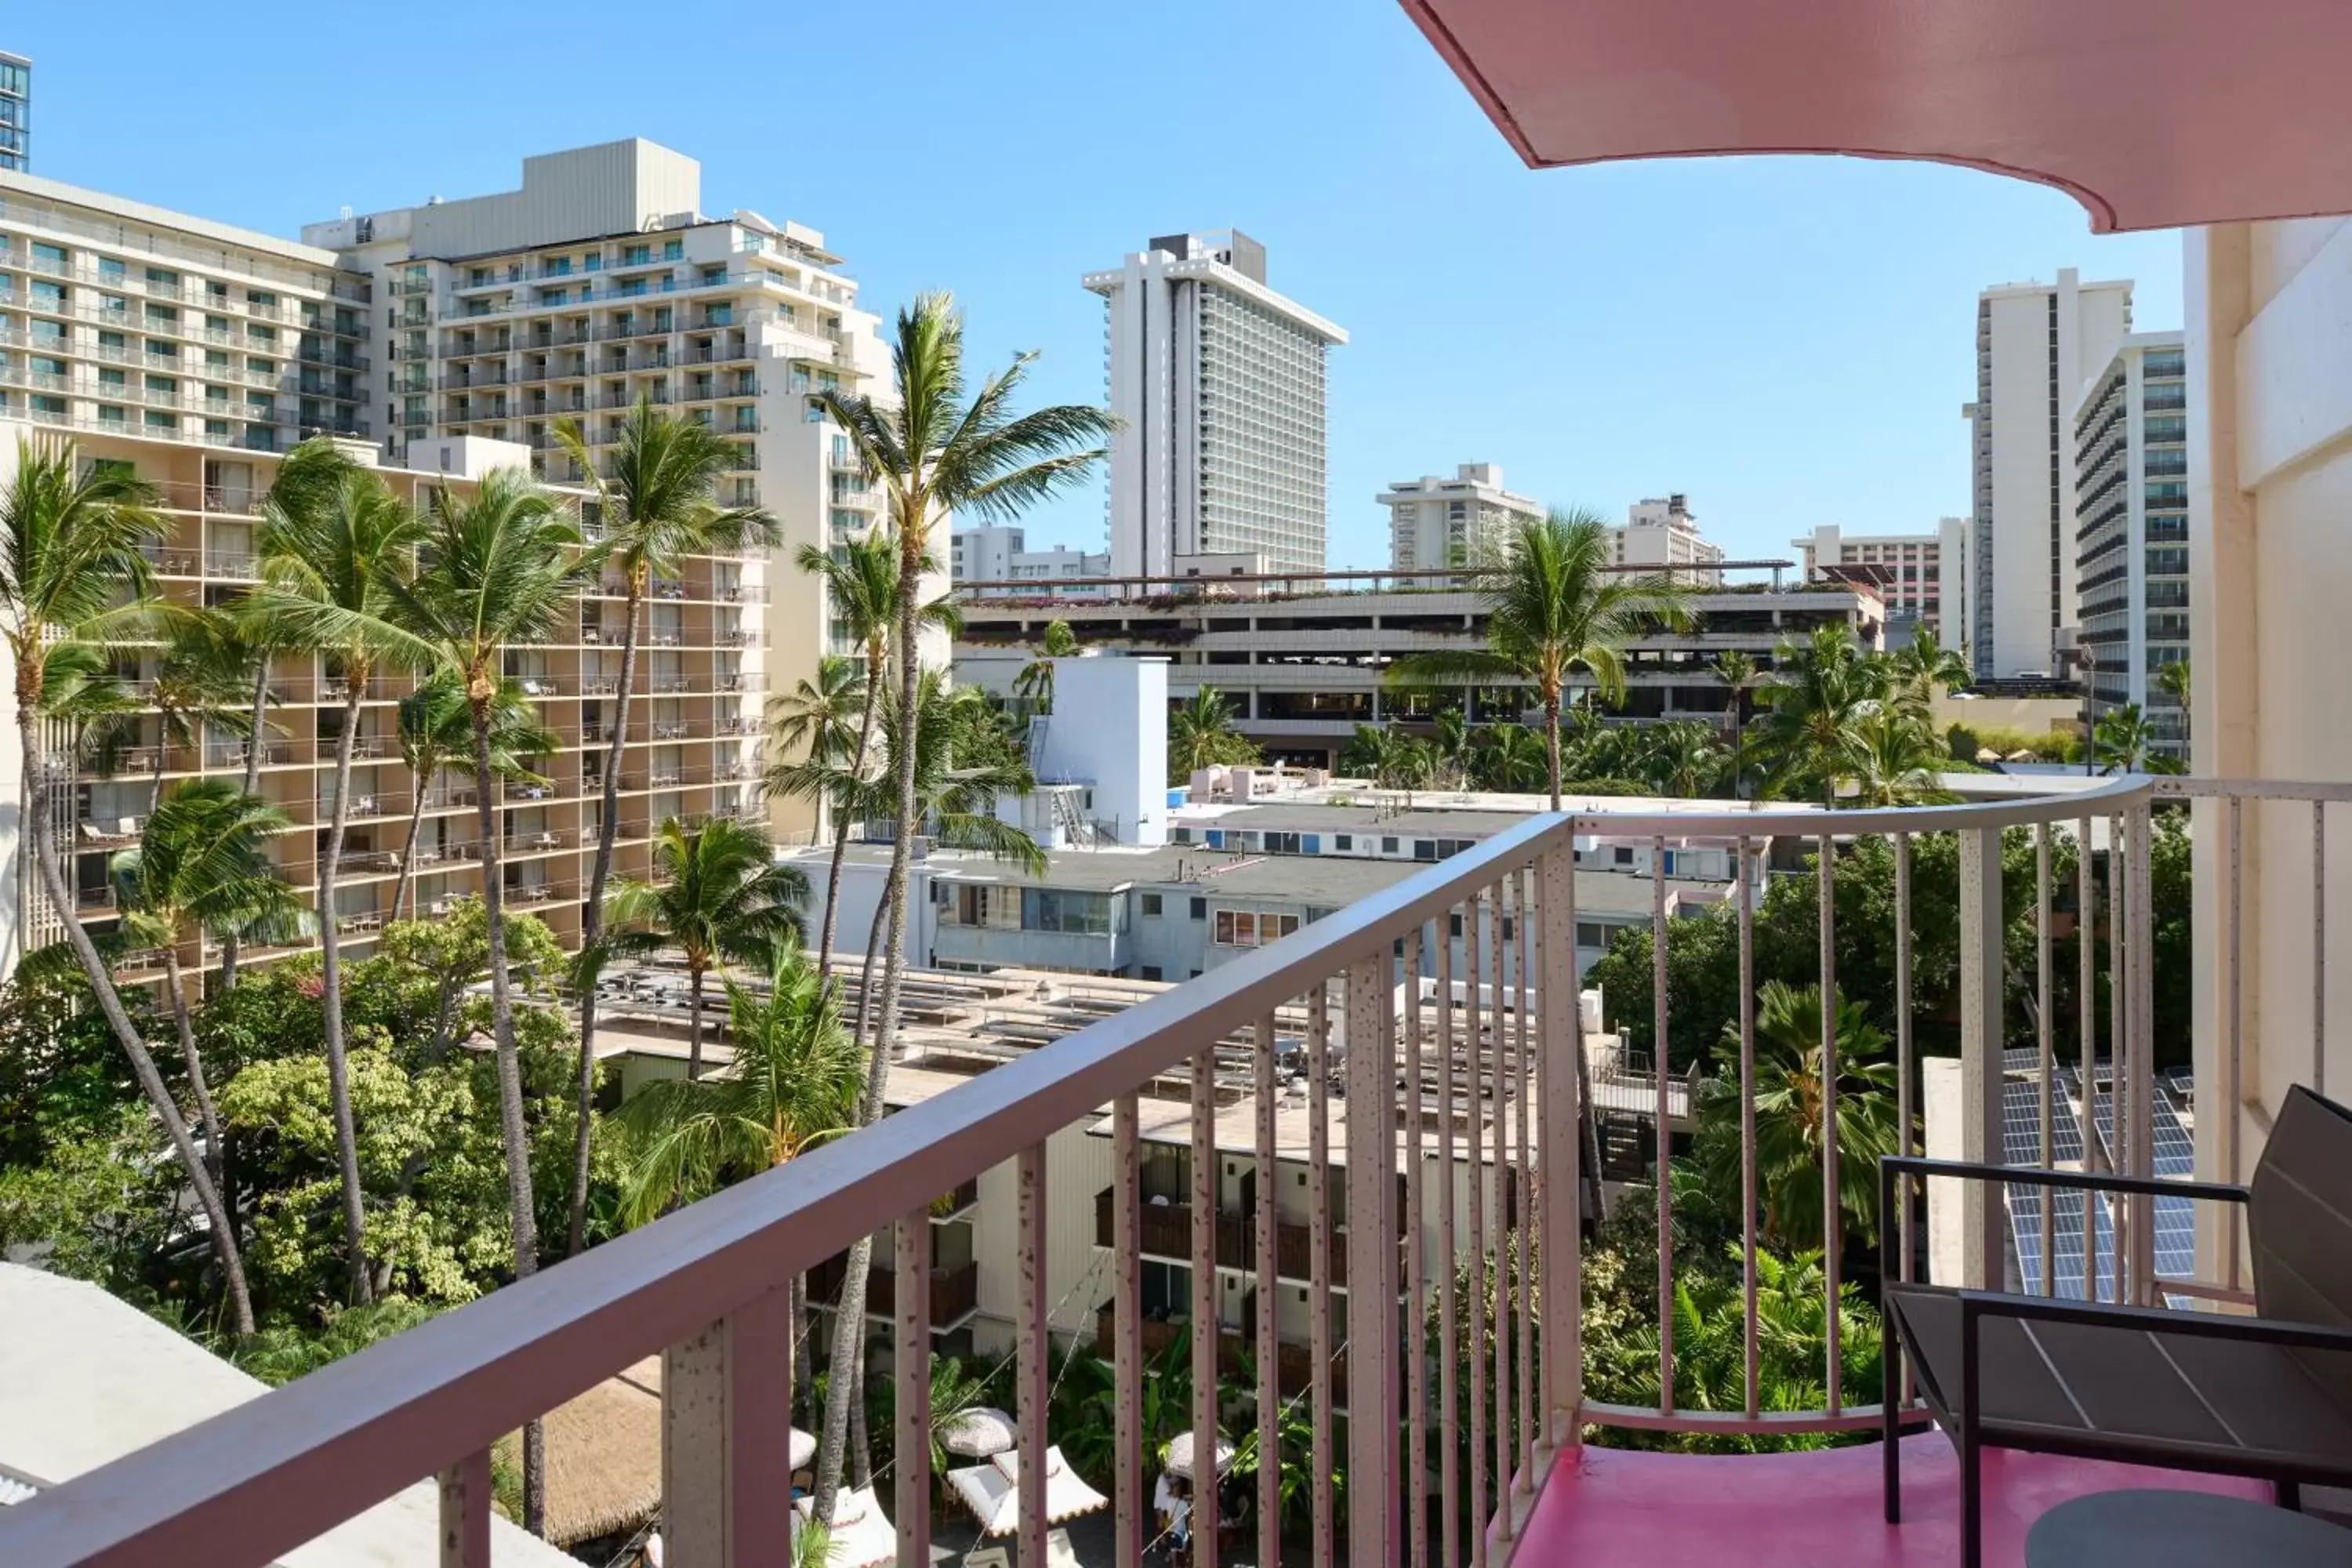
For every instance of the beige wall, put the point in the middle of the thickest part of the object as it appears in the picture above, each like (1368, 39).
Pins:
(2035, 714)
(2269, 309)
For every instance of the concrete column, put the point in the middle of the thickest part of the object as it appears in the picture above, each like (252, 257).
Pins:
(1980, 1048)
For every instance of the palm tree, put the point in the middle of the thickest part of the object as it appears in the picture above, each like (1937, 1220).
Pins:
(653, 509)
(73, 586)
(1789, 1094)
(312, 471)
(724, 897)
(1896, 760)
(1035, 684)
(330, 569)
(1449, 742)
(436, 732)
(1371, 752)
(1923, 665)
(1682, 758)
(1737, 671)
(934, 448)
(1553, 609)
(2173, 680)
(1820, 691)
(2122, 739)
(861, 583)
(793, 1082)
(508, 567)
(202, 864)
(201, 676)
(1509, 758)
(1200, 734)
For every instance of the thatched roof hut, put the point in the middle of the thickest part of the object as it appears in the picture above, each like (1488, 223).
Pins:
(604, 1457)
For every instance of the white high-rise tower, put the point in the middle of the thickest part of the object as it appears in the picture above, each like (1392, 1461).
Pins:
(1218, 384)
(2036, 343)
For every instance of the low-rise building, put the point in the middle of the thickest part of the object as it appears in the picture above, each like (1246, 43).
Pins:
(1917, 574)
(996, 563)
(1302, 672)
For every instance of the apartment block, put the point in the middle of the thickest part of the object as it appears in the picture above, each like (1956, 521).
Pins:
(692, 751)
(16, 112)
(1218, 382)
(118, 319)
(1662, 536)
(199, 355)
(1469, 519)
(1918, 575)
(2131, 429)
(602, 281)
(2036, 343)
(998, 556)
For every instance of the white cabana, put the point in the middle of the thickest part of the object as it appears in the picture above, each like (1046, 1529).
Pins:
(978, 1433)
(1180, 1455)
(992, 1492)
(861, 1537)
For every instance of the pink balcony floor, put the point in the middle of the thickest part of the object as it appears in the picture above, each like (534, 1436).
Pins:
(1614, 1506)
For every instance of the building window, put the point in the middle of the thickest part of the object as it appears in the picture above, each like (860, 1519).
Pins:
(1150, 903)
(1200, 906)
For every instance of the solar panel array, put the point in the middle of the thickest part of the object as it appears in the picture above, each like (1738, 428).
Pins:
(2173, 1155)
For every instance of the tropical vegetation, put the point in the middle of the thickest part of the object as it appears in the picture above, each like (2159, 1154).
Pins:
(937, 444)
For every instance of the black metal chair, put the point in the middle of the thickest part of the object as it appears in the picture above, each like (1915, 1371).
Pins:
(2268, 1396)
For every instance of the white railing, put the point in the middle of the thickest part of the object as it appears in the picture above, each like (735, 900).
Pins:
(1432, 1056)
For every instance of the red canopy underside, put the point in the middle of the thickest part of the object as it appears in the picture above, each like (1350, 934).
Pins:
(2152, 114)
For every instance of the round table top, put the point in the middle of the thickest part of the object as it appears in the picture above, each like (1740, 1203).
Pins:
(2150, 1528)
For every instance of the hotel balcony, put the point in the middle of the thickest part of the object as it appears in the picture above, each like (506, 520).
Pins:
(1414, 1095)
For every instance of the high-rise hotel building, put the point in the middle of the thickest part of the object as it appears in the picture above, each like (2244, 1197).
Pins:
(198, 354)
(602, 281)
(1218, 382)
(2131, 545)
(15, 111)
(2036, 343)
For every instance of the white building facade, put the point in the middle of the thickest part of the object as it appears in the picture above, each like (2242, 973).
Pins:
(601, 282)
(2131, 430)
(998, 554)
(1918, 575)
(1661, 534)
(15, 111)
(1469, 519)
(1218, 382)
(2036, 343)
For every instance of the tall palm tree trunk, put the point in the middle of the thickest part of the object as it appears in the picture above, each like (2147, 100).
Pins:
(215, 1155)
(416, 787)
(693, 1023)
(1588, 1127)
(874, 670)
(331, 975)
(520, 1223)
(849, 1326)
(142, 1062)
(591, 919)
(252, 786)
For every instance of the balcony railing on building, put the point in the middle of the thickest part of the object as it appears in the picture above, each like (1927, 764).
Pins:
(1423, 1087)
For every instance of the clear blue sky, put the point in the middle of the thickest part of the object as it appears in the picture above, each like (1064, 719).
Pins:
(1789, 341)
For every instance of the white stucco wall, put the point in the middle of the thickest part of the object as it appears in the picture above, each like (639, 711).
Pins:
(2268, 331)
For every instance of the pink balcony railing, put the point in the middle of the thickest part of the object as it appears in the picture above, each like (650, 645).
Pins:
(1402, 1054)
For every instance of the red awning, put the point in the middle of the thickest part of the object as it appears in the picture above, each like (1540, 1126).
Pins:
(2152, 114)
